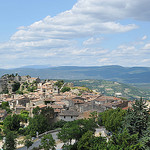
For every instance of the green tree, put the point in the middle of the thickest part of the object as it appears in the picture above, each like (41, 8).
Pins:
(99, 143)
(59, 83)
(124, 141)
(65, 89)
(15, 86)
(37, 124)
(11, 123)
(10, 143)
(137, 118)
(5, 105)
(75, 130)
(24, 115)
(85, 142)
(112, 119)
(47, 142)
(28, 142)
(145, 139)
(36, 110)
(89, 142)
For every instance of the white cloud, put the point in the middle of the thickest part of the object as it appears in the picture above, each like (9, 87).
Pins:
(56, 39)
(92, 41)
(144, 37)
(103, 60)
(147, 46)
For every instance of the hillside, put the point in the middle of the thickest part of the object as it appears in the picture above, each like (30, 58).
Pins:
(111, 88)
(113, 73)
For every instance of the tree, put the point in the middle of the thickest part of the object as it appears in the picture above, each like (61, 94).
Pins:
(47, 142)
(12, 123)
(59, 83)
(24, 115)
(89, 142)
(124, 141)
(99, 143)
(65, 89)
(5, 105)
(75, 130)
(85, 142)
(37, 124)
(145, 139)
(136, 120)
(15, 86)
(112, 119)
(48, 112)
(28, 142)
(36, 110)
(10, 143)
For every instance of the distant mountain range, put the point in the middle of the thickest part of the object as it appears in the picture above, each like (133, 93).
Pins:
(113, 73)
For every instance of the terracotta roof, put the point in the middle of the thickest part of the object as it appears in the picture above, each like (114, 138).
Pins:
(57, 110)
(106, 98)
(42, 106)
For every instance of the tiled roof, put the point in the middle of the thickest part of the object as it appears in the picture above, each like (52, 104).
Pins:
(69, 113)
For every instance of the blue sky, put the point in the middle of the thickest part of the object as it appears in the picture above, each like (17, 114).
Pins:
(71, 32)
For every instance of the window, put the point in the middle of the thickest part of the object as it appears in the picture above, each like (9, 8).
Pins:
(71, 116)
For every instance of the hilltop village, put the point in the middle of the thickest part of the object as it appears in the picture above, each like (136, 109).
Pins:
(69, 102)
(41, 111)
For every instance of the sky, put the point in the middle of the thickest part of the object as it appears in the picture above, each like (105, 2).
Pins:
(74, 33)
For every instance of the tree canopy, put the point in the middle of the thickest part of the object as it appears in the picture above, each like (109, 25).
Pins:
(10, 142)
(112, 119)
(47, 142)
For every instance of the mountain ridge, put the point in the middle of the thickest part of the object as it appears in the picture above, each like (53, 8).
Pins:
(112, 73)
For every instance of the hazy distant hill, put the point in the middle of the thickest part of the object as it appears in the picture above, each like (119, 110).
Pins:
(114, 73)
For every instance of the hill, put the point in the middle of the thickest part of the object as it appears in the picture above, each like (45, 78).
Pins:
(111, 88)
(113, 73)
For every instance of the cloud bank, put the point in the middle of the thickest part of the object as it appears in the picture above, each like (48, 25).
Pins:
(74, 37)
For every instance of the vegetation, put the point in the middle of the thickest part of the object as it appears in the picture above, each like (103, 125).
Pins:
(15, 86)
(36, 110)
(28, 142)
(37, 124)
(10, 143)
(11, 123)
(112, 119)
(124, 141)
(24, 115)
(136, 120)
(47, 142)
(59, 83)
(75, 130)
(89, 142)
(65, 89)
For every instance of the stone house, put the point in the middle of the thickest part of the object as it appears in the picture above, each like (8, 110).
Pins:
(68, 115)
